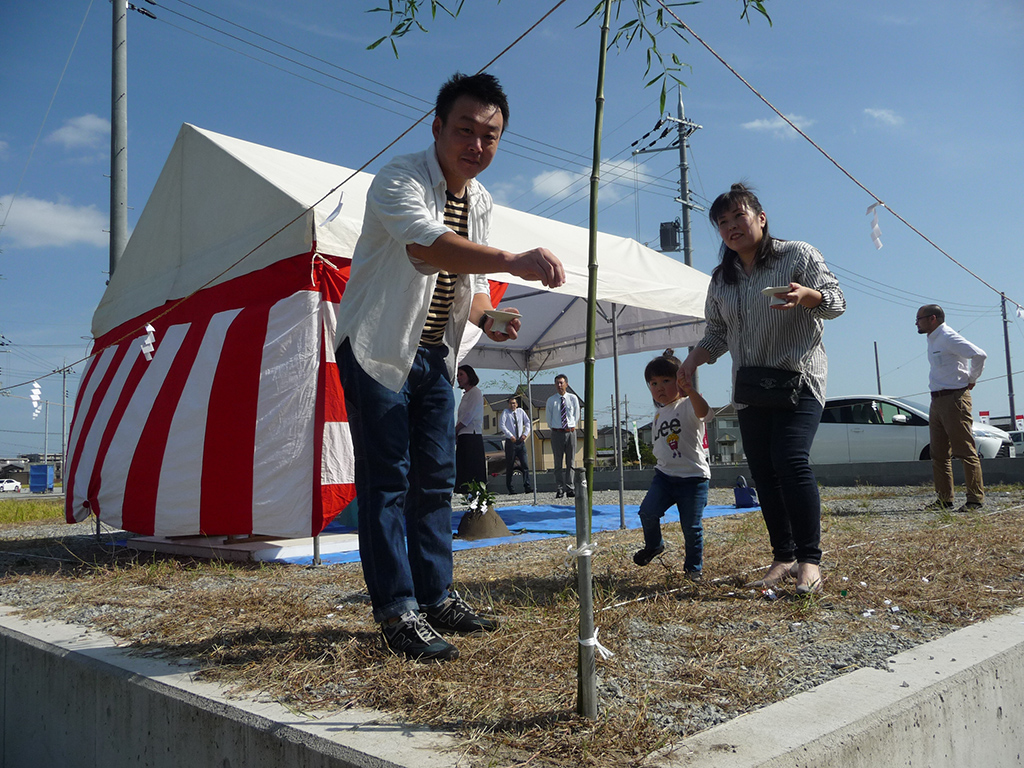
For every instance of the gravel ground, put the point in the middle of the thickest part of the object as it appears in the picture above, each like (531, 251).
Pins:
(687, 656)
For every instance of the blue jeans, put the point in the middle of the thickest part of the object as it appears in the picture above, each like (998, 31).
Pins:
(690, 495)
(778, 445)
(405, 470)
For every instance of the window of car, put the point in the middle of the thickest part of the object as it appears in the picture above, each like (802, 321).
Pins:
(888, 410)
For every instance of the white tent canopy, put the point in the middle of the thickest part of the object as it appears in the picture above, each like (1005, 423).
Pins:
(232, 195)
(239, 266)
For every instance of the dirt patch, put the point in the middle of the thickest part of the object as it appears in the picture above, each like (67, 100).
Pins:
(687, 656)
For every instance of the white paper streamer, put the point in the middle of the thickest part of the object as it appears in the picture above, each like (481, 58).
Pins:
(1020, 312)
(37, 399)
(603, 652)
(336, 211)
(876, 232)
(147, 343)
(585, 551)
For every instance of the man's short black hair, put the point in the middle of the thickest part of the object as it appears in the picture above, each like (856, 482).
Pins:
(483, 87)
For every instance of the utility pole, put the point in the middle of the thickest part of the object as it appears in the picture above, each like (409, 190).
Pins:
(1009, 369)
(878, 373)
(684, 129)
(118, 134)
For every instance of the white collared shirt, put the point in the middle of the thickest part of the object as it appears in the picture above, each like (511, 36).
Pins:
(514, 423)
(553, 410)
(388, 292)
(954, 361)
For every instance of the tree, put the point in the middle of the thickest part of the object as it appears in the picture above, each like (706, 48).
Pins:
(647, 22)
(642, 20)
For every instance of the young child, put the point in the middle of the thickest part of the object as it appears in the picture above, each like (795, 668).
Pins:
(682, 473)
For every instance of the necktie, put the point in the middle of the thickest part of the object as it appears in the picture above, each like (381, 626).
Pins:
(515, 424)
(565, 414)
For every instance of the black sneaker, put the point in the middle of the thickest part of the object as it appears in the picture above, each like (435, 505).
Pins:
(970, 506)
(413, 636)
(644, 556)
(454, 615)
(939, 505)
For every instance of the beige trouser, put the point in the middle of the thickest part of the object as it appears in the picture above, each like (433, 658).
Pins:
(949, 427)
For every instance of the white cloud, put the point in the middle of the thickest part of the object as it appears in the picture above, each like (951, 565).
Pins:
(885, 116)
(557, 184)
(36, 223)
(4, 147)
(617, 180)
(86, 131)
(778, 127)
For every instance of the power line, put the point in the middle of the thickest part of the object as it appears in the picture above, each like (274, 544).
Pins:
(850, 176)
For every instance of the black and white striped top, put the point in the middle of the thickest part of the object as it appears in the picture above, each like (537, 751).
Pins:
(456, 218)
(739, 320)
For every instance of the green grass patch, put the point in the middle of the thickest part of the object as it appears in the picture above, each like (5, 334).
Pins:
(24, 511)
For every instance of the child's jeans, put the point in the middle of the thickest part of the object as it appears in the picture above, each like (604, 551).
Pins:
(690, 495)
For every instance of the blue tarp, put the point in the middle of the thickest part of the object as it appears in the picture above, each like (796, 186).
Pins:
(532, 523)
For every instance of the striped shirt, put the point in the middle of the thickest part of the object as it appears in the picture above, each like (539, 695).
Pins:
(740, 322)
(456, 218)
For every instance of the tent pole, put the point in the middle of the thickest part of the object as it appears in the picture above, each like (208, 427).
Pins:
(615, 359)
(316, 550)
(533, 431)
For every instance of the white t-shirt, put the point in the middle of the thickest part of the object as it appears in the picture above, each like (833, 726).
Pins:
(679, 440)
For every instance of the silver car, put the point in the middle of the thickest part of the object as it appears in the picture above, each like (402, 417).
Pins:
(877, 428)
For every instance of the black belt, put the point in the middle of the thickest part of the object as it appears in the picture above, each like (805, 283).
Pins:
(944, 392)
(563, 429)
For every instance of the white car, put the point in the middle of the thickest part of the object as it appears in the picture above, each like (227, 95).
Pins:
(877, 428)
(1018, 440)
(10, 485)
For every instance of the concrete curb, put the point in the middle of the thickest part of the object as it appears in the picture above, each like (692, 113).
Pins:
(954, 702)
(72, 698)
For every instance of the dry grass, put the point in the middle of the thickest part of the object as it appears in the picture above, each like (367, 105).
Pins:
(303, 635)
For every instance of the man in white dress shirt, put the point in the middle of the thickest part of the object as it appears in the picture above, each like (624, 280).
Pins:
(419, 277)
(563, 414)
(515, 425)
(956, 365)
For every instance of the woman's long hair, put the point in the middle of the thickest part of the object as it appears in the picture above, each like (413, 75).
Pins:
(739, 196)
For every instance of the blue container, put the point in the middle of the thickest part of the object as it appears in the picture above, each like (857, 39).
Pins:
(40, 478)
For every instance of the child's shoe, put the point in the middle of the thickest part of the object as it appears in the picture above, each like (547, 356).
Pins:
(644, 556)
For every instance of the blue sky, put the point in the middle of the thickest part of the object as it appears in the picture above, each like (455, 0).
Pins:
(920, 101)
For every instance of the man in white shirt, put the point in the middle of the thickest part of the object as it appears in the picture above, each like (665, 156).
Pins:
(515, 425)
(955, 366)
(563, 414)
(418, 277)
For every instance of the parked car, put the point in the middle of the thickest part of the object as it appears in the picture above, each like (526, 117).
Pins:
(878, 428)
(10, 485)
(494, 453)
(1018, 440)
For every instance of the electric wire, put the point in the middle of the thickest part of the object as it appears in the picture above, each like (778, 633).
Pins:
(42, 125)
(174, 305)
(850, 176)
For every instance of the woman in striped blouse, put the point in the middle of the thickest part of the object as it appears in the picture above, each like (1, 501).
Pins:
(782, 331)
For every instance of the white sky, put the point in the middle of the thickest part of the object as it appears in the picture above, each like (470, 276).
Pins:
(921, 101)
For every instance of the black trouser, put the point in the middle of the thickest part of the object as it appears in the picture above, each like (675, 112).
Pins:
(777, 444)
(516, 452)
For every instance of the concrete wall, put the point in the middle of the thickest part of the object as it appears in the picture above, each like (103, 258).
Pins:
(951, 703)
(72, 699)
